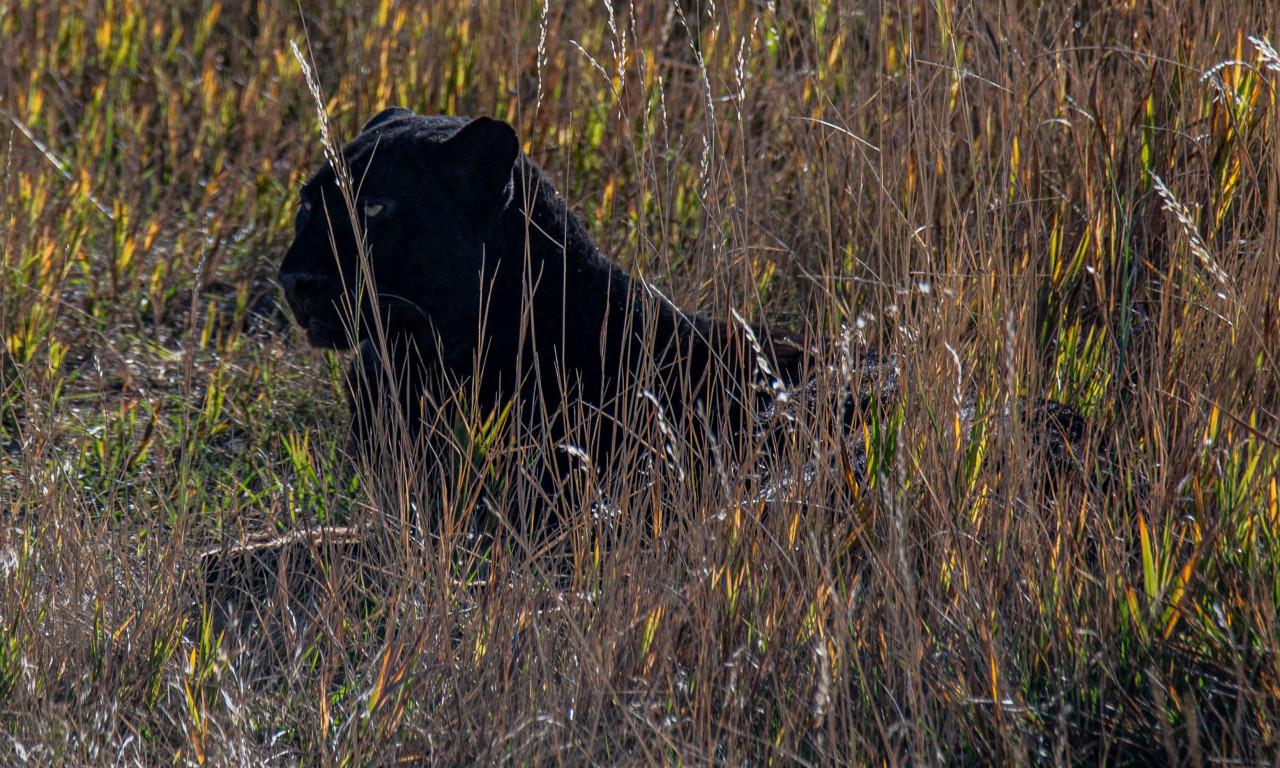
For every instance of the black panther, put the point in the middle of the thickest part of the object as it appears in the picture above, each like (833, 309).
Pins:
(477, 274)
(477, 278)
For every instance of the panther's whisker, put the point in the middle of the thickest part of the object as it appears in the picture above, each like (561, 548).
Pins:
(402, 301)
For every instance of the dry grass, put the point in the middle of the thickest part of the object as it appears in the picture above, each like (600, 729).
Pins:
(1075, 201)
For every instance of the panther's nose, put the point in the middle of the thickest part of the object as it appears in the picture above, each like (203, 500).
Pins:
(299, 284)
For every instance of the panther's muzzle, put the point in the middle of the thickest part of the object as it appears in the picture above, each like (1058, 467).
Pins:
(313, 302)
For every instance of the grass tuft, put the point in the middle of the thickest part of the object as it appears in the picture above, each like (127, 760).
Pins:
(1010, 202)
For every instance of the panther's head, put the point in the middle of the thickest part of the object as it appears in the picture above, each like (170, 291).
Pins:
(426, 192)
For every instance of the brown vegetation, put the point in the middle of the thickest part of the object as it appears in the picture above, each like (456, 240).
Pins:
(1075, 201)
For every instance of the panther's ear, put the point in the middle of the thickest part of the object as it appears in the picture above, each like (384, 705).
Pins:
(483, 154)
(386, 116)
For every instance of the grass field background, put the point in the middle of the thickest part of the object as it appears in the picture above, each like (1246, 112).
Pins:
(1065, 200)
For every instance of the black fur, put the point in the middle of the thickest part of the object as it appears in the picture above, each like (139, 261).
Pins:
(482, 276)
(487, 287)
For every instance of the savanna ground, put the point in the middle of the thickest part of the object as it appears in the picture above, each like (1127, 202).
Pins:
(1074, 201)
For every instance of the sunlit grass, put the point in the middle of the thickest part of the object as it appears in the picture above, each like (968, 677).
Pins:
(1011, 203)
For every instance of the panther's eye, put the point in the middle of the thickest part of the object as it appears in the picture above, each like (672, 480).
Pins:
(306, 206)
(372, 208)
